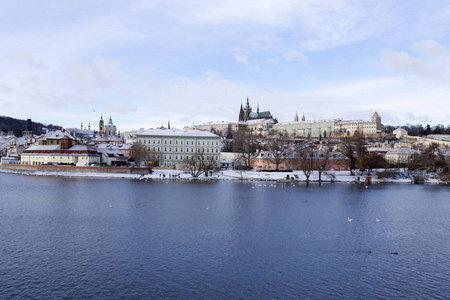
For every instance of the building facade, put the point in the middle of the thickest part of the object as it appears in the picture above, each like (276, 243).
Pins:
(59, 154)
(335, 161)
(307, 129)
(329, 128)
(108, 130)
(169, 147)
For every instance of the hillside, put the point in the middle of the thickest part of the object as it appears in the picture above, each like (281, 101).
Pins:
(8, 124)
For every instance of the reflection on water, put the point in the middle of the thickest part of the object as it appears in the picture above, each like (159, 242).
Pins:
(121, 238)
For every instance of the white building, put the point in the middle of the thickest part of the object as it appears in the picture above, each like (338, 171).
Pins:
(400, 155)
(400, 132)
(348, 127)
(170, 147)
(328, 128)
(59, 154)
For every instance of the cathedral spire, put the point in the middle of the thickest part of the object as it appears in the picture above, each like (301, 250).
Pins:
(247, 105)
(168, 124)
(303, 116)
(296, 117)
(241, 114)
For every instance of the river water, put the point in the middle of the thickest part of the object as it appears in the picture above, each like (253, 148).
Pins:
(109, 239)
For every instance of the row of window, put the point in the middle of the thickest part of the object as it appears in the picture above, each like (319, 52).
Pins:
(188, 142)
(181, 149)
(186, 157)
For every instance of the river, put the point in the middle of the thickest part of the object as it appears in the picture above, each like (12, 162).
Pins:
(109, 239)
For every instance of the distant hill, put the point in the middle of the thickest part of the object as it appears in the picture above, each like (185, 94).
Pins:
(8, 124)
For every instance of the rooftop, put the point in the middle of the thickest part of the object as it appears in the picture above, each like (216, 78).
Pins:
(177, 132)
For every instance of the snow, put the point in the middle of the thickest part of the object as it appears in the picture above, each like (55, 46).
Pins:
(164, 174)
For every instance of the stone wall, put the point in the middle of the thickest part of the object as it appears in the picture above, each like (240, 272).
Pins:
(75, 169)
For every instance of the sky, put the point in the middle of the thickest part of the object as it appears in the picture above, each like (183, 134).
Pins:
(145, 62)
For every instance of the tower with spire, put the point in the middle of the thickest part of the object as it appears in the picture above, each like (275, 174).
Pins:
(101, 126)
(246, 113)
(241, 114)
(296, 117)
(303, 117)
(247, 110)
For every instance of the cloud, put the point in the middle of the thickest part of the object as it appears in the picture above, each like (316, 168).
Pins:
(103, 72)
(241, 58)
(433, 67)
(429, 48)
(296, 56)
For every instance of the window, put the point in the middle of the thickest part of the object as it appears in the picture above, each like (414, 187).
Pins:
(170, 142)
(165, 142)
(176, 142)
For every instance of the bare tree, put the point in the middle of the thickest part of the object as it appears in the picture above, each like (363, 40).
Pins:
(306, 161)
(321, 158)
(279, 150)
(139, 153)
(246, 146)
(353, 148)
(198, 163)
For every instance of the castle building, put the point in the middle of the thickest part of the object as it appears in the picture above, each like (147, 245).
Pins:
(328, 128)
(246, 113)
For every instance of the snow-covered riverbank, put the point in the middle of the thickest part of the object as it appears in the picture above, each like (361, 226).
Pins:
(163, 174)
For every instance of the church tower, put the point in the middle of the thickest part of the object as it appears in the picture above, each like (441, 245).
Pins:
(247, 111)
(303, 117)
(101, 126)
(296, 117)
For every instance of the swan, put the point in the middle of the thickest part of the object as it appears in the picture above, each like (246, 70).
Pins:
(349, 220)
(376, 219)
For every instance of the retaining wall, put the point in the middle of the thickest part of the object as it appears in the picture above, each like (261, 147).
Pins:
(33, 168)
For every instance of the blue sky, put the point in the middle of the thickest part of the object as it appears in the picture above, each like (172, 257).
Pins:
(143, 62)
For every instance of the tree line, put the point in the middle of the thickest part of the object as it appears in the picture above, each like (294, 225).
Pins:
(17, 126)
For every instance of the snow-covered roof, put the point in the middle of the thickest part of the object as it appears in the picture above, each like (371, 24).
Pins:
(307, 122)
(177, 133)
(399, 129)
(44, 148)
(58, 147)
(402, 151)
(317, 154)
(57, 135)
(377, 149)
